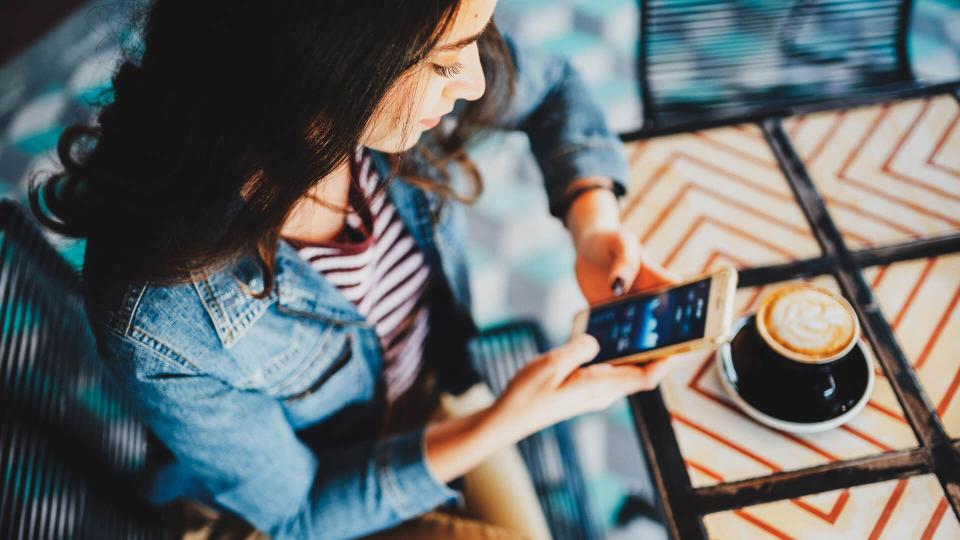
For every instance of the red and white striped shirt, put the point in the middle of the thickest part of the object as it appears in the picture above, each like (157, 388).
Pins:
(384, 274)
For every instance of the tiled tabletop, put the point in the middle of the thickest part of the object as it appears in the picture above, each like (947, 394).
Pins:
(896, 509)
(921, 299)
(888, 173)
(885, 175)
(711, 197)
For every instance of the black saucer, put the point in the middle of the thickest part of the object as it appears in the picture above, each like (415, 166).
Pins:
(778, 394)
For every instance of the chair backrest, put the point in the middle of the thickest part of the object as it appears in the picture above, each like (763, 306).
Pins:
(708, 60)
(71, 449)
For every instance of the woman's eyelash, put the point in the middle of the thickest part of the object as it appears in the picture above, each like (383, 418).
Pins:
(448, 71)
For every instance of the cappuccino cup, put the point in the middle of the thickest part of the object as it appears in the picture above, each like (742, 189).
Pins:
(798, 357)
(808, 325)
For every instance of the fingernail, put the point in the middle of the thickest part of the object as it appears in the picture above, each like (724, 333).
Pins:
(617, 286)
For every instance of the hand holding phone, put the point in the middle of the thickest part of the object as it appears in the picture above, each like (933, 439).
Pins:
(645, 325)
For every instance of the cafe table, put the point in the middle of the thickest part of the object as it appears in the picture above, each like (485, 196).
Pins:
(865, 201)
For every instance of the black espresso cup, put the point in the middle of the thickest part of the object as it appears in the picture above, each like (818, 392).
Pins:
(797, 373)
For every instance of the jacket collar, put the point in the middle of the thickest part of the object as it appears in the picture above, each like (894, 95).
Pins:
(301, 289)
(227, 294)
(298, 288)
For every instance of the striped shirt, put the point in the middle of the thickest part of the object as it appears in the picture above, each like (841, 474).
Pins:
(384, 274)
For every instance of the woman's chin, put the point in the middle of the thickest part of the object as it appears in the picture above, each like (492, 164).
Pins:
(396, 146)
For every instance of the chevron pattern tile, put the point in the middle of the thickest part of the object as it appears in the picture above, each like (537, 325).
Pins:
(701, 199)
(897, 509)
(888, 173)
(921, 299)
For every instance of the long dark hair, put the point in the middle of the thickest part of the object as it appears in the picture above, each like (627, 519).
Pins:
(235, 110)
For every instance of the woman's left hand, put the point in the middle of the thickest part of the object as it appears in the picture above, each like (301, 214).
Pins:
(608, 260)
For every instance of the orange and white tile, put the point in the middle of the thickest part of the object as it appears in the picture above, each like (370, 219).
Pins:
(888, 173)
(700, 199)
(912, 508)
(921, 300)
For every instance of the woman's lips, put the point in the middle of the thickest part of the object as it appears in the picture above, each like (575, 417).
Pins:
(430, 122)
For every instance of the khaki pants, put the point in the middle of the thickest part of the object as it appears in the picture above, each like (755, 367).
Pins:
(500, 500)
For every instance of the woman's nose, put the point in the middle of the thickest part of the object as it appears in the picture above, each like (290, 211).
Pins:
(470, 84)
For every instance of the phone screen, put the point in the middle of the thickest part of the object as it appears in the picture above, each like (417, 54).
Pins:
(643, 323)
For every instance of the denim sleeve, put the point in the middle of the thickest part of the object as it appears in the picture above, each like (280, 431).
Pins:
(567, 131)
(241, 448)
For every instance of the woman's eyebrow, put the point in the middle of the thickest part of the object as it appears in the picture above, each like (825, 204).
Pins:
(463, 42)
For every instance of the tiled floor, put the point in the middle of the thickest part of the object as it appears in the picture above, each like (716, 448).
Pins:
(895, 510)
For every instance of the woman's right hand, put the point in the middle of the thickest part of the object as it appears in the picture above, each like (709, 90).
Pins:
(556, 386)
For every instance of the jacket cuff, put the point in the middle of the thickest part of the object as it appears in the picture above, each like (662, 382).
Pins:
(408, 484)
(604, 157)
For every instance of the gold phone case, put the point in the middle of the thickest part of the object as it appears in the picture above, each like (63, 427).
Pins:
(723, 295)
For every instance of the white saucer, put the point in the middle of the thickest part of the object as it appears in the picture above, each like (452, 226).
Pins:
(724, 361)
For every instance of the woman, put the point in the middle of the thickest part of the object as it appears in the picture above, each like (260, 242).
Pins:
(273, 267)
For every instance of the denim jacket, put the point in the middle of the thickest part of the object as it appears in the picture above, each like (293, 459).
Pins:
(246, 394)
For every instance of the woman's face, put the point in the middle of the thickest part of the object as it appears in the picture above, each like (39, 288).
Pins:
(429, 90)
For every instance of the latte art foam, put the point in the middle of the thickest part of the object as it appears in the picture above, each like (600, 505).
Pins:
(808, 322)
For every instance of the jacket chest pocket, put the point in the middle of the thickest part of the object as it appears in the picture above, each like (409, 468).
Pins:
(321, 392)
(292, 360)
(314, 381)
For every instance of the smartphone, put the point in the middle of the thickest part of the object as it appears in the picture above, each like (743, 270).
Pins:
(642, 326)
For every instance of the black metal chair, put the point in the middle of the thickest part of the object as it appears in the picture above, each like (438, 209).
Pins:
(71, 449)
(725, 61)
